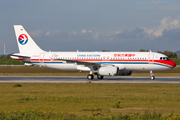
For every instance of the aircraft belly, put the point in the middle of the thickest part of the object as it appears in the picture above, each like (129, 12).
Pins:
(145, 67)
(62, 66)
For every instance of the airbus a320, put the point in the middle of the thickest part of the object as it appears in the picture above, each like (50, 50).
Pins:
(97, 63)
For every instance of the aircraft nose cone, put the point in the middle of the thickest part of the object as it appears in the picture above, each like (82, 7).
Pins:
(173, 63)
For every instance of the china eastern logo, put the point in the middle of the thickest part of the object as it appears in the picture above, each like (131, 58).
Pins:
(23, 39)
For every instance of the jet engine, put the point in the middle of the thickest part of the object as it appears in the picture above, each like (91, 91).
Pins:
(108, 71)
(28, 64)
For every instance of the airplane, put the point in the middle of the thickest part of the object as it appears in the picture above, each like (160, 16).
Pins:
(97, 63)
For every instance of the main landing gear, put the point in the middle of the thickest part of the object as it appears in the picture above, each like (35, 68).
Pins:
(152, 75)
(100, 77)
(91, 76)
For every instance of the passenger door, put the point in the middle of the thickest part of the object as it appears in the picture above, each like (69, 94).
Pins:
(41, 58)
(151, 58)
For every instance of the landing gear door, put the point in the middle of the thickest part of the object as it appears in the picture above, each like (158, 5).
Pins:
(151, 58)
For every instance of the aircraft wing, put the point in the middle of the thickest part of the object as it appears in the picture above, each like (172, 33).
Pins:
(81, 62)
(87, 64)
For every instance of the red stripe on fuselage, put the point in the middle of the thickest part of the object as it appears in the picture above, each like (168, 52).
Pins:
(166, 62)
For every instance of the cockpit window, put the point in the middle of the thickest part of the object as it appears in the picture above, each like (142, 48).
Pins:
(164, 58)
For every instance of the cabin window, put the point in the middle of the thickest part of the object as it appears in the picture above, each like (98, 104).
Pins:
(164, 58)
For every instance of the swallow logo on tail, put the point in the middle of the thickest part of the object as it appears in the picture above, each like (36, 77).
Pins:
(23, 39)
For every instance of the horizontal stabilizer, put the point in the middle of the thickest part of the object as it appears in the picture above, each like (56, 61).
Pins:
(20, 56)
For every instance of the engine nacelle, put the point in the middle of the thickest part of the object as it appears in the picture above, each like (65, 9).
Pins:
(108, 71)
(124, 73)
(28, 64)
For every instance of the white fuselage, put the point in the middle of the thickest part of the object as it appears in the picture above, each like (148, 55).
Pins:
(131, 61)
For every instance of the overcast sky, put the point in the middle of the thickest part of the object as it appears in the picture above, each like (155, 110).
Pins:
(93, 25)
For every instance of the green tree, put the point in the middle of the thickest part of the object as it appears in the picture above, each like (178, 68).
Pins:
(170, 54)
(105, 50)
(142, 50)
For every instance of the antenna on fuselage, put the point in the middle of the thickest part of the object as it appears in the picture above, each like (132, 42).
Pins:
(150, 51)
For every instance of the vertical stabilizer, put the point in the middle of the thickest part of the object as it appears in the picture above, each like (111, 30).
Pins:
(25, 43)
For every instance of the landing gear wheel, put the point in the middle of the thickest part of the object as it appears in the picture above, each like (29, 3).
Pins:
(152, 77)
(100, 77)
(90, 77)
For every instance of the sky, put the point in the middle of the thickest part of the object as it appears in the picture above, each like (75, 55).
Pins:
(93, 25)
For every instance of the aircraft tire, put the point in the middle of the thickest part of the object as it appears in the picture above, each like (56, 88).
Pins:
(152, 77)
(100, 77)
(90, 77)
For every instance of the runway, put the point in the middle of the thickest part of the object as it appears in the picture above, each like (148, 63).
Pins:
(79, 79)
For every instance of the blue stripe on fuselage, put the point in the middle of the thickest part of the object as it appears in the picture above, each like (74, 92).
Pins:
(106, 62)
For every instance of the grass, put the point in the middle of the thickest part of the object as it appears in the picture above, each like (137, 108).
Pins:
(90, 100)
(17, 85)
(176, 60)
(36, 71)
(9, 61)
(33, 115)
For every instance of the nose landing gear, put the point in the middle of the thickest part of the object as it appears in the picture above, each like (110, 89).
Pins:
(152, 75)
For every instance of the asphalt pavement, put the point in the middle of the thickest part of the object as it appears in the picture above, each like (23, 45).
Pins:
(79, 79)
